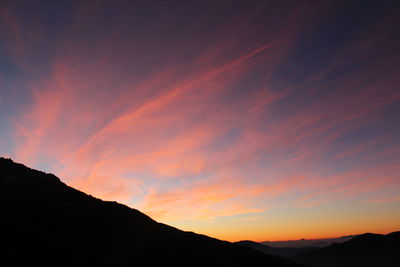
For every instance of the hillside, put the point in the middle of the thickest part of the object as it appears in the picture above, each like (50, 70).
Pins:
(45, 222)
(364, 250)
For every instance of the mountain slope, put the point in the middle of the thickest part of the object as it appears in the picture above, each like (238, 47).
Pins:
(45, 222)
(363, 250)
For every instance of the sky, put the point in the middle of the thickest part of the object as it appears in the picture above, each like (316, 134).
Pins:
(258, 120)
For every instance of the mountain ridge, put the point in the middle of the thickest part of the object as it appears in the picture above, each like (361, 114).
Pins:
(46, 222)
(299, 243)
(364, 250)
(285, 252)
(368, 249)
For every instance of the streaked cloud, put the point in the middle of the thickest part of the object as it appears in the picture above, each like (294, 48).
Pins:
(247, 110)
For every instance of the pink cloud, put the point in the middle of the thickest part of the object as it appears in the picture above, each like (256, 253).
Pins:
(152, 139)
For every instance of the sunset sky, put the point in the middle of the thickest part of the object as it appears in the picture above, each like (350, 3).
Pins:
(260, 120)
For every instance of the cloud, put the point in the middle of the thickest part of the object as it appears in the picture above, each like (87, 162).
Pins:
(209, 124)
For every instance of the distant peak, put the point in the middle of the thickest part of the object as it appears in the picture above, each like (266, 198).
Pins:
(394, 234)
(247, 241)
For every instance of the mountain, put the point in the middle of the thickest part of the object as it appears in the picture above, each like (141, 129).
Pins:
(283, 252)
(363, 250)
(46, 223)
(308, 242)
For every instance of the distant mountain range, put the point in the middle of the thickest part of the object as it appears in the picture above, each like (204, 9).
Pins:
(283, 252)
(320, 243)
(362, 250)
(46, 223)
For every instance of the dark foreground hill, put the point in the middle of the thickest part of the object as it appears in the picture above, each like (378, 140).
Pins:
(45, 222)
(364, 250)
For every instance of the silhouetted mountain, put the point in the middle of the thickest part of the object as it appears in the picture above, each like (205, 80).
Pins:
(307, 242)
(45, 222)
(283, 252)
(363, 250)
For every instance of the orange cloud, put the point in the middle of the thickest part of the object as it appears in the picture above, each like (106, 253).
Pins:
(210, 134)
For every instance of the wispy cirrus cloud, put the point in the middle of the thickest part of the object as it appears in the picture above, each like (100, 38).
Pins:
(200, 119)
